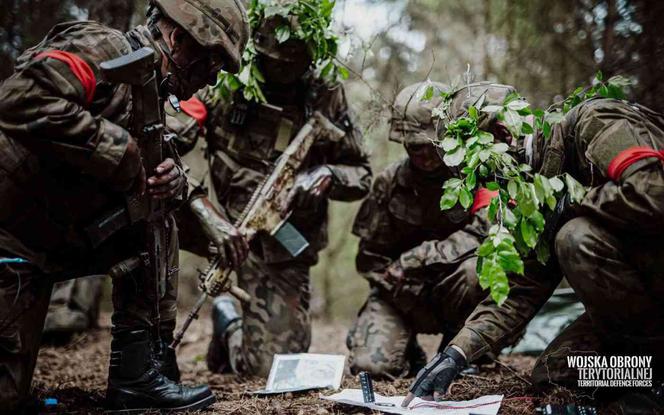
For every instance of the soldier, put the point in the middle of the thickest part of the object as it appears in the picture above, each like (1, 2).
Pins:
(244, 140)
(67, 158)
(611, 250)
(413, 288)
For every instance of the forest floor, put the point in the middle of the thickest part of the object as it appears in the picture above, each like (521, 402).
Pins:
(75, 374)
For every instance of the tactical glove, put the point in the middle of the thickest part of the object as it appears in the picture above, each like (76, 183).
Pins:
(231, 245)
(435, 378)
(311, 188)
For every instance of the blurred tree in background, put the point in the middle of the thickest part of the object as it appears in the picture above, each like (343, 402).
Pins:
(545, 48)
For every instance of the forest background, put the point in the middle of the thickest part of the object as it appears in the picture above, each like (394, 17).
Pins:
(545, 48)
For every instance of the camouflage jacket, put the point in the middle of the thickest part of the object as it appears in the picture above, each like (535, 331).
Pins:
(401, 221)
(583, 145)
(57, 153)
(245, 139)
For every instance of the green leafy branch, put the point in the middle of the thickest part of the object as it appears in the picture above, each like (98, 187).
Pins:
(518, 214)
(313, 19)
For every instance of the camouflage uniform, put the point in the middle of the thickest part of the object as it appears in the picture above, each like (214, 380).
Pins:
(74, 306)
(401, 221)
(58, 157)
(401, 224)
(610, 252)
(244, 140)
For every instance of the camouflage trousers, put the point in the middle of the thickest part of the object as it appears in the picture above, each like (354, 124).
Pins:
(25, 292)
(619, 277)
(382, 340)
(74, 306)
(276, 320)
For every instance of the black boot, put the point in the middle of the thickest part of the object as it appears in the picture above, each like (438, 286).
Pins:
(135, 384)
(416, 356)
(168, 364)
(225, 319)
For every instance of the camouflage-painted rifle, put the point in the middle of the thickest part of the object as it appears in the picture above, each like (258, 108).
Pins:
(267, 211)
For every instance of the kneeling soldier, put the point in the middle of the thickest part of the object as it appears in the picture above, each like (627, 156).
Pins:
(415, 288)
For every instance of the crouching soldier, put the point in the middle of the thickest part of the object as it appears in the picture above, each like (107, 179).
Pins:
(414, 287)
(244, 141)
(611, 250)
(69, 156)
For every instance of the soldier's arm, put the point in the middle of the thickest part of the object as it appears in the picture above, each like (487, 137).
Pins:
(348, 162)
(44, 107)
(377, 234)
(441, 254)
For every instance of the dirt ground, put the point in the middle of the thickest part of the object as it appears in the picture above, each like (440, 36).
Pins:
(75, 374)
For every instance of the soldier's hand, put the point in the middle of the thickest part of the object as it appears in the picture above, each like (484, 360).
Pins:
(231, 245)
(310, 189)
(168, 180)
(394, 273)
(434, 379)
(129, 176)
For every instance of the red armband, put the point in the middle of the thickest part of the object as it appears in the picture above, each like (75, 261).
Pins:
(483, 197)
(194, 108)
(626, 158)
(80, 69)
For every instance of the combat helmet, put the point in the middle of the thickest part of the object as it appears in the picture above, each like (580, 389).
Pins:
(266, 42)
(412, 122)
(215, 24)
(477, 95)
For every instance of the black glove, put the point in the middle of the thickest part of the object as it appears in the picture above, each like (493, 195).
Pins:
(436, 376)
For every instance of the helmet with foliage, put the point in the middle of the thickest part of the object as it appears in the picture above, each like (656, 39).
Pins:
(412, 122)
(478, 95)
(268, 40)
(215, 24)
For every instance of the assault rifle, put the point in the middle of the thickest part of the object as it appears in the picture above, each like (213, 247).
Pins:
(267, 211)
(137, 69)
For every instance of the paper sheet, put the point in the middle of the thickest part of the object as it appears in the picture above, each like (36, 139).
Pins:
(485, 405)
(304, 371)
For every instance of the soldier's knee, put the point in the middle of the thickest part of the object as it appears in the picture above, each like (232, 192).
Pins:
(572, 241)
(365, 361)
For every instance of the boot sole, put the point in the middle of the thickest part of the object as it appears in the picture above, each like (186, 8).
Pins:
(203, 403)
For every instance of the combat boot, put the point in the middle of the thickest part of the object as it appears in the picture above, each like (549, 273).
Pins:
(135, 384)
(225, 320)
(166, 358)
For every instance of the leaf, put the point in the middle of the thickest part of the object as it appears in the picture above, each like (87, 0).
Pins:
(428, 93)
(575, 189)
(449, 144)
(454, 158)
(513, 121)
(556, 184)
(485, 155)
(485, 137)
(472, 112)
(527, 129)
(538, 220)
(471, 180)
(486, 248)
(518, 105)
(512, 189)
(282, 33)
(452, 183)
(553, 117)
(528, 233)
(500, 148)
(343, 72)
(465, 198)
(599, 76)
(449, 199)
(493, 186)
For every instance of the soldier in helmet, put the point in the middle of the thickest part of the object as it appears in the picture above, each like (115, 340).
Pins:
(609, 247)
(244, 140)
(69, 156)
(413, 288)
